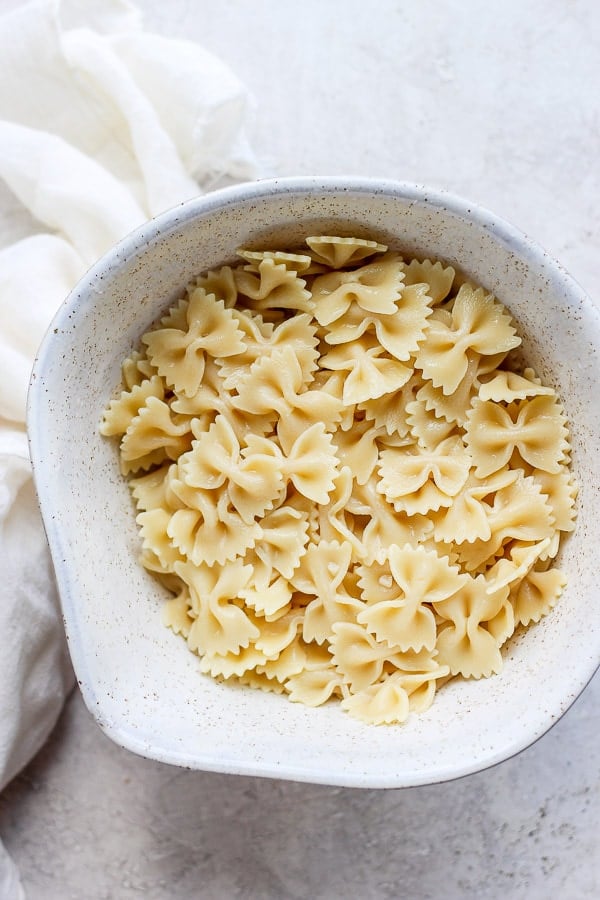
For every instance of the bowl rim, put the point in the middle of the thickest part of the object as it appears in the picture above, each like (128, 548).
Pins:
(173, 219)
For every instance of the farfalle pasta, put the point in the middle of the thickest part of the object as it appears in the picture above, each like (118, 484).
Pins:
(346, 485)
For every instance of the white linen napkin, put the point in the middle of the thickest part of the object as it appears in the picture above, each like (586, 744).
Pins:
(102, 125)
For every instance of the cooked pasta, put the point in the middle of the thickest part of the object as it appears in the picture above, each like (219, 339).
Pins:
(346, 485)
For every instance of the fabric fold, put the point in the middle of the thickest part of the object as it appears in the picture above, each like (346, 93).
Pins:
(102, 125)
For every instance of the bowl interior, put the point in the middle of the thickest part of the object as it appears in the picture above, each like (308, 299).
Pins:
(137, 678)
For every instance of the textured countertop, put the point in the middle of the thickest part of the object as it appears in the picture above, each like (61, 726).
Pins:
(497, 102)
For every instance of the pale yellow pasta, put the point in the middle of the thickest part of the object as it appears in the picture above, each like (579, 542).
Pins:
(220, 282)
(357, 449)
(135, 369)
(313, 687)
(289, 662)
(273, 286)
(120, 412)
(374, 288)
(336, 252)
(400, 332)
(406, 619)
(519, 512)
(153, 435)
(438, 278)
(295, 262)
(427, 429)
(508, 386)
(358, 656)
(284, 534)
(478, 323)
(455, 406)
(346, 487)
(389, 702)
(389, 411)
(370, 371)
(536, 595)
(262, 338)
(415, 480)
(269, 599)
(535, 428)
(466, 644)
(179, 354)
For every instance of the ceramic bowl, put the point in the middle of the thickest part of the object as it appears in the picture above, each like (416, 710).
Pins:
(138, 679)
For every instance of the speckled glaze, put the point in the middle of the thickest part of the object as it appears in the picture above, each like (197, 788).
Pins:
(137, 678)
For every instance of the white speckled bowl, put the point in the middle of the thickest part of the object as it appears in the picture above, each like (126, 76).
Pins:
(137, 678)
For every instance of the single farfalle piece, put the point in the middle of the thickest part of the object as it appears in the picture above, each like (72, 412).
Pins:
(321, 574)
(535, 428)
(466, 520)
(435, 275)
(537, 593)
(371, 372)
(154, 525)
(357, 449)
(136, 369)
(465, 644)
(336, 252)
(561, 490)
(273, 286)
(479, 323)
(276, 635)
(150, 489)
(213, 454)
(256, 483)
(232, 665)
(283, 539)
(294, 262)
(220, 282)
(519, 512)
(374, 288)
(319, 680)
(400, 332)
(313, 687)
(288, 663)
(153, 435)
(210, 531)
(403, 619)
(418, 480)
(175, 613)
(384, 703)
(505, 387)
(179, 353)
(357, 655)
(455, 406)
(511, 569)
(220, 626)
(311, 464)
(117, 418)
(426, 427)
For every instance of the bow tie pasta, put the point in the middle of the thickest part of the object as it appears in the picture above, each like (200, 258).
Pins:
(343, 480)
